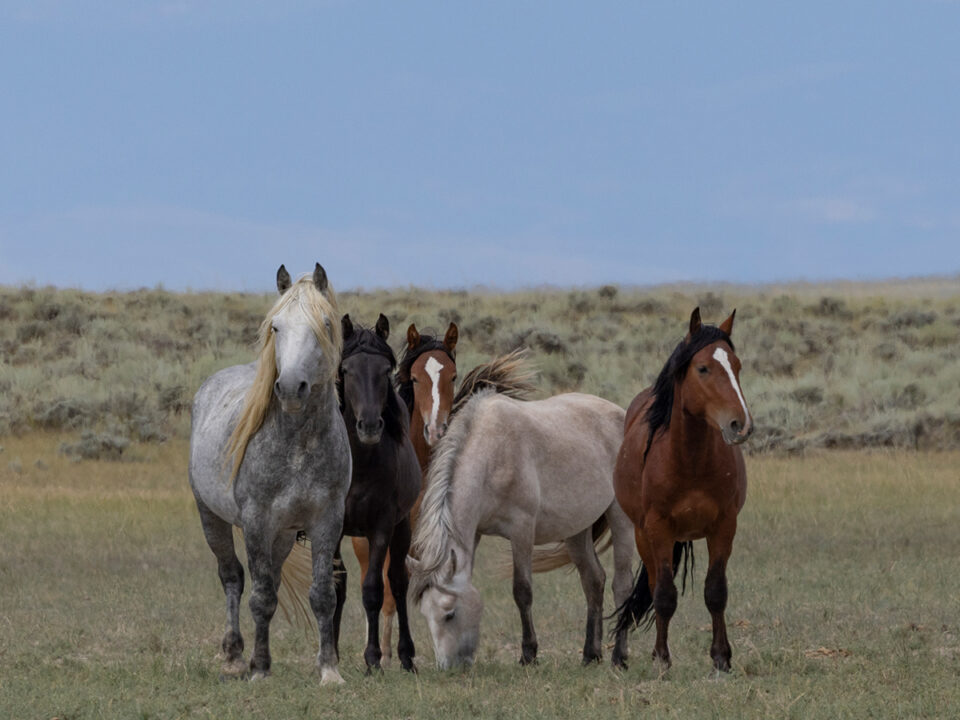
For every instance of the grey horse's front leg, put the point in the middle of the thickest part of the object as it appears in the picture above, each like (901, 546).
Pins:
(324, 540)
(523, 596)
(263, 600)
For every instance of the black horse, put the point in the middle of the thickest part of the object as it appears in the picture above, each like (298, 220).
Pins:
(385, 481)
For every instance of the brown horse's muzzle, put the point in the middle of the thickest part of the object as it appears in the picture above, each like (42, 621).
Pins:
(734, 433)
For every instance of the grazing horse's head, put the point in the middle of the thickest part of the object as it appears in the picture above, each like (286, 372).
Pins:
(427, 375)
(365, 380)
(710, 385)
(452, 607)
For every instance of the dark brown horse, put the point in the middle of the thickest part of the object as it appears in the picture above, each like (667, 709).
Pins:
(425, 381)
(680, 477)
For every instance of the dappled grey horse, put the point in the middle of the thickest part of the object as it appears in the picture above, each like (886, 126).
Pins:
(269, 454)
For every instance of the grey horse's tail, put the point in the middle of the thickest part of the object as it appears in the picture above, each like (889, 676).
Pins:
(546, 559)
(508, 374)
(295, 579)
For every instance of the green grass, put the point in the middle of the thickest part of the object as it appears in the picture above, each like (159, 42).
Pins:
(844, 602)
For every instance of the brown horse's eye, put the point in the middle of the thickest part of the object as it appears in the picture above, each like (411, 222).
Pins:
(703, 370)
(414, 380)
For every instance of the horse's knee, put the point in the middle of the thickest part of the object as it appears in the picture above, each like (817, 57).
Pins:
(522, 593)
(665, 596)
(231, 573)
(263, 603)
(715, 589)
(372, 592)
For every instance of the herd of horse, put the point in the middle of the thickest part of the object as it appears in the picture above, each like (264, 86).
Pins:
(327, 435)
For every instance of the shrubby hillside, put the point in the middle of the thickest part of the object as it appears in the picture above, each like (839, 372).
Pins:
(824, 366)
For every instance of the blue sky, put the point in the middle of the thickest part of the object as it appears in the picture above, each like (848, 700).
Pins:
(200, 144)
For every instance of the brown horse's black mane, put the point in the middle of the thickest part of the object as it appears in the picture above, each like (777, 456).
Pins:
(658, 414)
(365, 340)
(404, 381)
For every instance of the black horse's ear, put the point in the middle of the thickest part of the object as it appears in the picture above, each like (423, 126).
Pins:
(320, 278)
(413, 337)
(383, 327)
(694, 322)
(347, 325)
(283, 280)
(450, 339)
(727, 325)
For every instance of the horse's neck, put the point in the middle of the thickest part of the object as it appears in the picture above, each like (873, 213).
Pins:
(319, 412)
(419, 443)
(691, 438)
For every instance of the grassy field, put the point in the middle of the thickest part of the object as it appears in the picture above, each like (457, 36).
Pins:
(845, 602)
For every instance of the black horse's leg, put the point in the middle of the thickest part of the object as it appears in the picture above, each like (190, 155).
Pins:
(719, 546)
(373, 597)
(397, 574)
(219, 535)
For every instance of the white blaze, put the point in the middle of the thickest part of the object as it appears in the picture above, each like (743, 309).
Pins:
(720, 355)
(433, 368)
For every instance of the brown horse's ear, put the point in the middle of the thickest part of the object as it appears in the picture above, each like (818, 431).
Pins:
(413, 337)
(347, 324)
(694, 322)
(320, 278)
(450, 339)
(383, 327)
(727, 325)
(283, 280)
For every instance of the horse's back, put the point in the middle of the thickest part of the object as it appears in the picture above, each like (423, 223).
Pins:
(554, 457)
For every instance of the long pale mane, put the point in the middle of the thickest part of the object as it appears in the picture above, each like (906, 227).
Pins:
(321, 311)
(435, 532)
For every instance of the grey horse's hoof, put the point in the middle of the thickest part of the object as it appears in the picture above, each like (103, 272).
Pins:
(236, 669)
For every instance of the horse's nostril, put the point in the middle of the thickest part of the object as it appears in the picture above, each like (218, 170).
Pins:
(735, 426)
(276, 387)
(303, 389)
(379, 424)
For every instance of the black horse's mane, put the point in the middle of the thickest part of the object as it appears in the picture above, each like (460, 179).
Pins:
(658, 414)
(404, 381)
(365, 340)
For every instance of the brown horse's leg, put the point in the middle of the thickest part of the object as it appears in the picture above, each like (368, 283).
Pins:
(361, 549)
(659, 542)
(719, 546)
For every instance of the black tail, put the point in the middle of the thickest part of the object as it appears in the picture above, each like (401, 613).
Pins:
(637, 610)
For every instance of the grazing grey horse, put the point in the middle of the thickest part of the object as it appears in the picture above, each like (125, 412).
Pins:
(269, 454)
(532, 472)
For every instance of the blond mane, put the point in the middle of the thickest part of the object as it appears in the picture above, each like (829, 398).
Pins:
(320, 309)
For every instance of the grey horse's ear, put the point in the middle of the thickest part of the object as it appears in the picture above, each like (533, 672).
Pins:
(727, 325)
(283, 280)
(347, 325)
(383, 327)
(320, 278)
(450, 339)
(694, 322)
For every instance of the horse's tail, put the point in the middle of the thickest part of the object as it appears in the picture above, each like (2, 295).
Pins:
(637, 610)
(296, 576)
(551, 558)
(508, 374)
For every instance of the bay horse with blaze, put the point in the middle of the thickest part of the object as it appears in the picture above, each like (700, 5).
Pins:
(680, 476)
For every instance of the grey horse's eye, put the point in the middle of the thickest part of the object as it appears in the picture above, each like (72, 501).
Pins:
(274, 329)
(450, 615)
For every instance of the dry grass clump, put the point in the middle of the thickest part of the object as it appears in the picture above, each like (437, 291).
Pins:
(836, 366)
